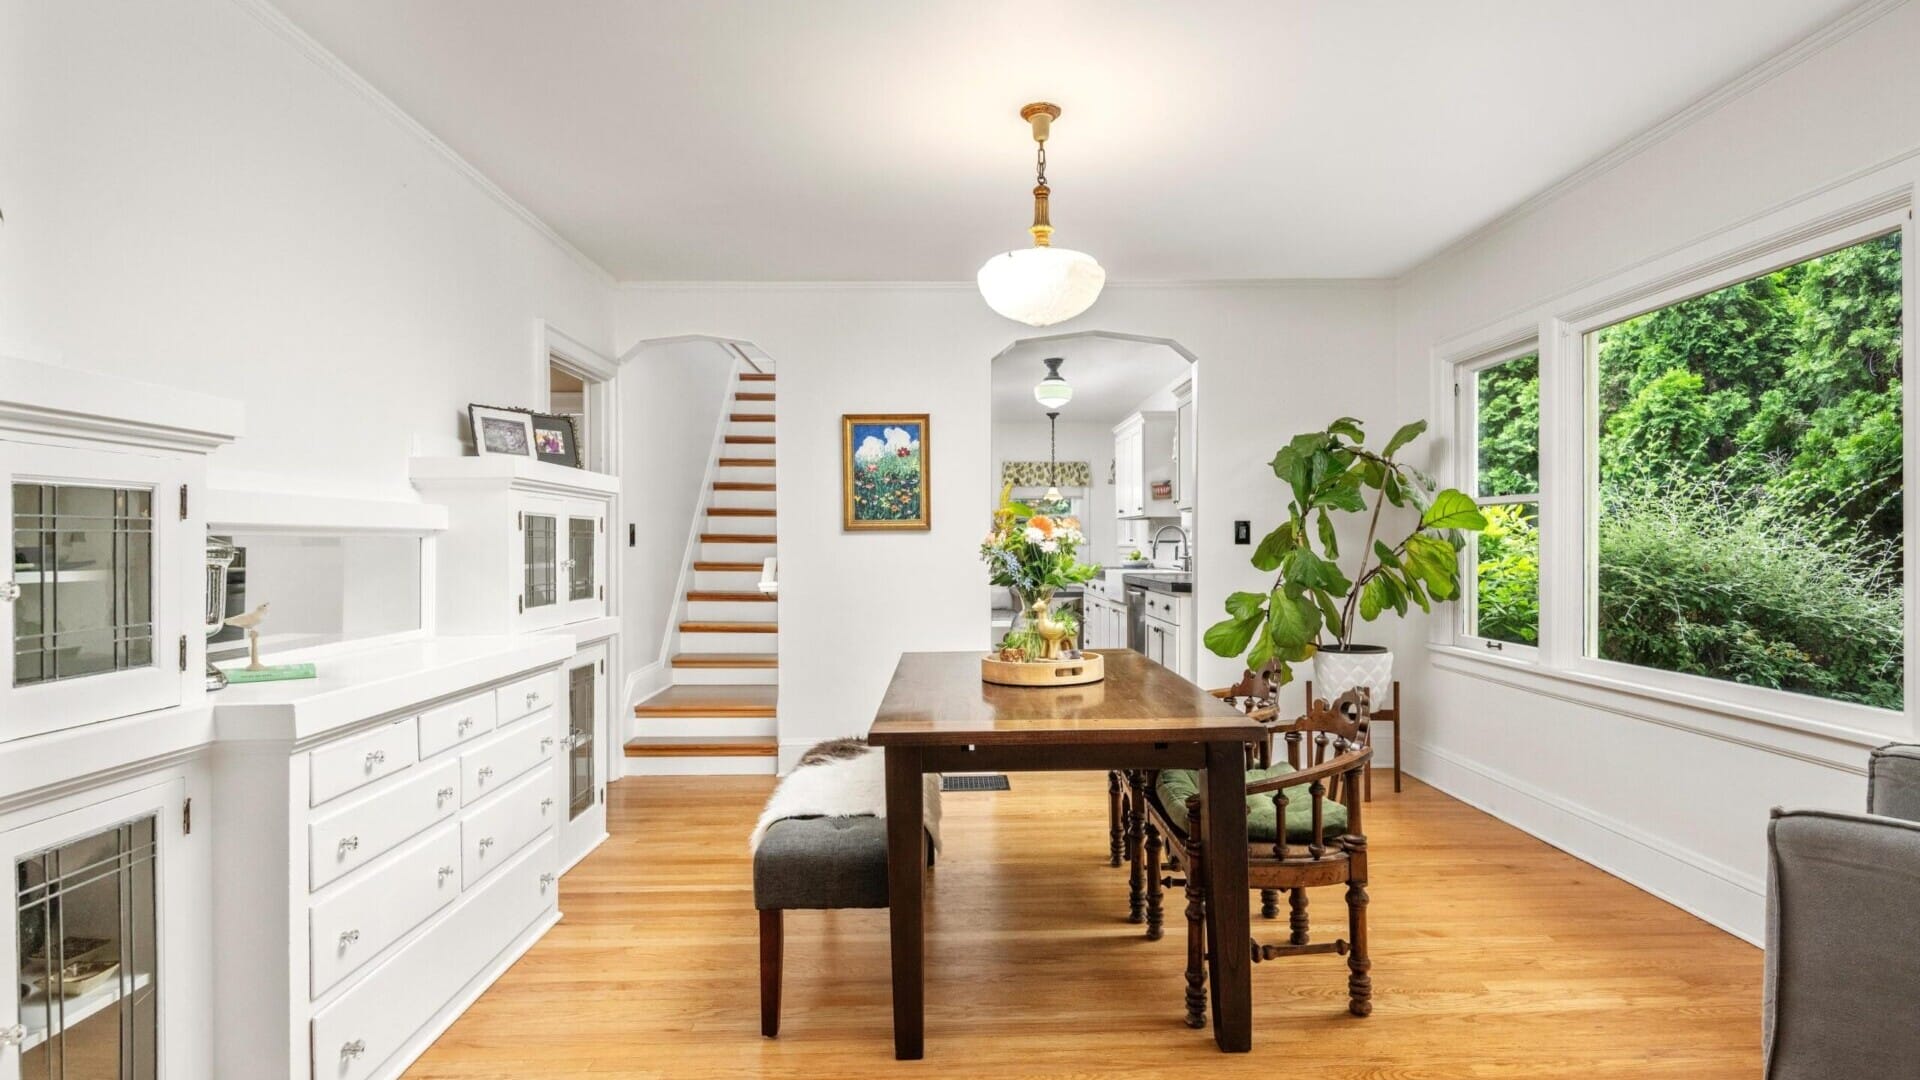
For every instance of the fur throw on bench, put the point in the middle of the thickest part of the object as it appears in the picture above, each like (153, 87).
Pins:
(841, 778)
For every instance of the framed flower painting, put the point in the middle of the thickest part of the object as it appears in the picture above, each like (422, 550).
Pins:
(885, 483)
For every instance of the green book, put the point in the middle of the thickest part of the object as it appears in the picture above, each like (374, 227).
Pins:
(272, 673)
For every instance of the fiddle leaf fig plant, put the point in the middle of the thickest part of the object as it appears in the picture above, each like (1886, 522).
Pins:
(1313, 602)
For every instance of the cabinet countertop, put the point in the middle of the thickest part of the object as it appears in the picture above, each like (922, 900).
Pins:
(386, 679)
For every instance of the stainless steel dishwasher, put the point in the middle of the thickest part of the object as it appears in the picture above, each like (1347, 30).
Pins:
(1137, 618)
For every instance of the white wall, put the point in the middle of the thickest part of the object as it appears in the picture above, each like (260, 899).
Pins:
(671, 398)
(1273, 359)
(192, 199)
(1020, 440)
(1633, 786)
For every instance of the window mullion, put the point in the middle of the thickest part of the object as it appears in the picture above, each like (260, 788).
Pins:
(1563, 488)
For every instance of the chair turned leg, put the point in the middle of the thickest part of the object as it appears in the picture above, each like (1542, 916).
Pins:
(770, 950)
(1297, 917)
(1196, 945)
(1156, 913)
(1269, 903)
(1359, 982)
(1136, 834)
(1116, 830)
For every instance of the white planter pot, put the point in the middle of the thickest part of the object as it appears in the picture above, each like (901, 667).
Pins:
(1336, 671)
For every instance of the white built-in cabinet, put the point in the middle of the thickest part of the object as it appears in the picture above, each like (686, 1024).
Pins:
(584, 731)
(1143, 452)
(1185, 439)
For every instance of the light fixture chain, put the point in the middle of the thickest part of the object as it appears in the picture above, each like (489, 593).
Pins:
(1040, 165)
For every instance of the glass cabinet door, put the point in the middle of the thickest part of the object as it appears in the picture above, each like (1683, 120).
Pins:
(539, 561)
(94, 616)
(586, 560)
(586, 822)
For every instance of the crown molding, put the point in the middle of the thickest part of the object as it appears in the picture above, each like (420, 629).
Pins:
(1709, 103)
(968, 286)
(273, 19)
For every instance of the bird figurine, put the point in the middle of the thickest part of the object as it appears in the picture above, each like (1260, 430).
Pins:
(250, 622)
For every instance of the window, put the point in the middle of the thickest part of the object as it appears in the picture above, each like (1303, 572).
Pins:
(1502, 595)
(1747, 481)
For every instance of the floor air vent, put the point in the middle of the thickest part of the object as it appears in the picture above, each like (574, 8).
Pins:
(996, 782)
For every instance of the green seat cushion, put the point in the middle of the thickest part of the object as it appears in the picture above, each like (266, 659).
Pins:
(1177, 785)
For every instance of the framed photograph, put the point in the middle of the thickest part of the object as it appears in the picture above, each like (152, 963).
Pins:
(885, 482)
(554, 440)
(501, 431)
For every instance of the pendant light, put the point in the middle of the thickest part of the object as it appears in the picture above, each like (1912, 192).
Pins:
(1053, 484)
(1043, 284)
(1053, 391)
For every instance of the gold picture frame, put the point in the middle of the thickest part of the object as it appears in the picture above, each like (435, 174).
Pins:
(886, 480)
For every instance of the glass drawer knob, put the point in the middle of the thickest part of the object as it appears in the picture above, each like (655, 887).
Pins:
(532, 696)
(546, 744)
(485, 771)
(446, 872)
(375, 757)
(349, 843)
(348, 937)
(445, 793)
(465, 723)
(486, 842)
(353, 1049)
(546, 880)
(546, 805)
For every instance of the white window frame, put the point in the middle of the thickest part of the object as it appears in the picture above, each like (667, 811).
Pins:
(1840, 216)
(1467, 419)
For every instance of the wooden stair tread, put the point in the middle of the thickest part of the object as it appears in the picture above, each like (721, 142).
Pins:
(729, 628)
(729, 701)
(739, 511)
(751, 417)
(746, 463)
(736, 538)
(755, 376)
(740, 485)
(726, 660)
(700, 746)
(720, 567)
(750, 440)
(751, 395)
(708, 596)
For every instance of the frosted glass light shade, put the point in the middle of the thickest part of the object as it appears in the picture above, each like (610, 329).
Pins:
(1041, 286)
(1053, 392)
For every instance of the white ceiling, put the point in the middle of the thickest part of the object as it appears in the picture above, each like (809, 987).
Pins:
(1110, 376)
(879, 140)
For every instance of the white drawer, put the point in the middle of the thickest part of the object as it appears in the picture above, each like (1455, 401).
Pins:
(350, 927)
(359, 832)
(351, 763)
(450, 725)
(526, 696)
(492, 832)
(356, 1035)
(489, 766)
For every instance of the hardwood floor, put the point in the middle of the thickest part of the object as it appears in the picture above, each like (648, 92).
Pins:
(1494, 956)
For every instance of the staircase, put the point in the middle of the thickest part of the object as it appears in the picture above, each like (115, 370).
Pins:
(719, 713)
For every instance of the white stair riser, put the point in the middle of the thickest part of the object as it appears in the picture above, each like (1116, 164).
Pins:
(745, 500)
(696, 766)
(729, 643)
(705, 676)
(730, 611)
(727, 580)
(737, 525)
(726, 552)
(745, 474)
(718, 727)
(749, 427)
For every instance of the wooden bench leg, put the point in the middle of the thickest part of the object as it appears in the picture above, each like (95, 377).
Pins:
(771, 940)
(1116, 817)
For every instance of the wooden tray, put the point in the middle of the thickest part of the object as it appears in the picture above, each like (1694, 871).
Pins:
(1091, 667)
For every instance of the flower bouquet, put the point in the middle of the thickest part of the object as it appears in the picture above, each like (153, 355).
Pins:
(1033, 554)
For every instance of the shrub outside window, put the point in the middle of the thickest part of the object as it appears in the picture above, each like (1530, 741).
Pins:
(1748, 481)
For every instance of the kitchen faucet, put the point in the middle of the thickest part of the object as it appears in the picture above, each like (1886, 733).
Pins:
(1186, 546)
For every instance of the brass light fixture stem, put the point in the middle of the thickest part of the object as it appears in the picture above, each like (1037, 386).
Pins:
(1041, 115)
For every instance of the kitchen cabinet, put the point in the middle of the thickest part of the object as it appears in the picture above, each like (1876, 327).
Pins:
(1142, 454)
(1184, 440)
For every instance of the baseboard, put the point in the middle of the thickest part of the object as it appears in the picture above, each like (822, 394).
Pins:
(643, 683)
(1706, 888)
(411, 1050)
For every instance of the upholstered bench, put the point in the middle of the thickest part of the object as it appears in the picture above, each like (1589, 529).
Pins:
(812, 862)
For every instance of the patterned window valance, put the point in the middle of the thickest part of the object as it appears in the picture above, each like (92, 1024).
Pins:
(1034, 473)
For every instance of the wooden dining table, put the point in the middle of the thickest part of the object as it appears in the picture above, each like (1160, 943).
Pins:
(939, 716)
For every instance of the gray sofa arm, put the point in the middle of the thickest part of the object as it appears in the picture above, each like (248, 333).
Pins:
(1843, 947)
(1893, 782)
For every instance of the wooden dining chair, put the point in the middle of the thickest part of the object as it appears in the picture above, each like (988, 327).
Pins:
(1311, 839)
